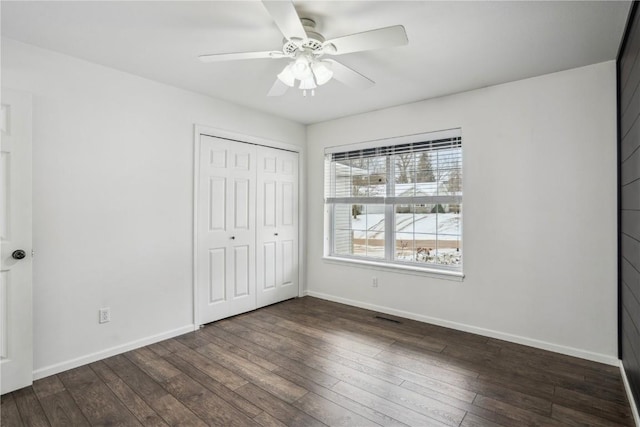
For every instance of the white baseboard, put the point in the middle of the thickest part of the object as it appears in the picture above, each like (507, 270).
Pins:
(569, 351)
(632, 402)
(103, 354)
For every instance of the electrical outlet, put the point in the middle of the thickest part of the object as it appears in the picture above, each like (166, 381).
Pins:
(104, 315)
(374, 282)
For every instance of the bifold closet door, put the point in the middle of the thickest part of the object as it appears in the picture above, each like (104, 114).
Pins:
(277, 225)
(226, 231)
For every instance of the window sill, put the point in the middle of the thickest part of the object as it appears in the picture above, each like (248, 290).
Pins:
(456, 276)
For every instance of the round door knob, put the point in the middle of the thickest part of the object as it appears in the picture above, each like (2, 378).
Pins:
(233, 237)
(18, 254)
(275, 234)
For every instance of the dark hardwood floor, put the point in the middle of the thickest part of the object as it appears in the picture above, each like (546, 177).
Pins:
(309, 362)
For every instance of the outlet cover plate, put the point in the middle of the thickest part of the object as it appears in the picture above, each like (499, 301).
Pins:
(104, 315)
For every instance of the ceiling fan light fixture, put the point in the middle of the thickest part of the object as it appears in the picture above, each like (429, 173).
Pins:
(287, 77)
(322, 71)
(304, 47)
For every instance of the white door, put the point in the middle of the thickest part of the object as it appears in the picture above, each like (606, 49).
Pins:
(16, 342)
(226, 229)
(277, 226)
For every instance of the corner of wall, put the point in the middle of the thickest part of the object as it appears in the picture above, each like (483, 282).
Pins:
(627, 388)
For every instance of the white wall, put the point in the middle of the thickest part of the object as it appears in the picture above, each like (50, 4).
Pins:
(113, 186)
(539, 213)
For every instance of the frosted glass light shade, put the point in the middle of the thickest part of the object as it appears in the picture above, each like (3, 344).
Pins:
(307, 83)
(287, 77)
(322, 71)
(301, 69)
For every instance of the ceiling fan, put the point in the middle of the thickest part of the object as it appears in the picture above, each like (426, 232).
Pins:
(306, 49)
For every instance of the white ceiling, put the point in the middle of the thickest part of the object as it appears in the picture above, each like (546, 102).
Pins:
(453, 46)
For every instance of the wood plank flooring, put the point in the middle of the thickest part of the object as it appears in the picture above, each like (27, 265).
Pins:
(309, 362)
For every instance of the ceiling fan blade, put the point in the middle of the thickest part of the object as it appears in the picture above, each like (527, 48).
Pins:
(218, 57)
(349, 77)
(278, 88)
(368, 40)
(286, 18)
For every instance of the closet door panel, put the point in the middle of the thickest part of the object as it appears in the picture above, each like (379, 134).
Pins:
(277, 232)
(226, 232)
(269, 263)
(217, 275)
(289, 270)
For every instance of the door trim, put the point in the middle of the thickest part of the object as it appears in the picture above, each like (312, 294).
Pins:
(200, 130)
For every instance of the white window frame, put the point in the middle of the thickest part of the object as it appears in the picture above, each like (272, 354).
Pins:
(389, 263)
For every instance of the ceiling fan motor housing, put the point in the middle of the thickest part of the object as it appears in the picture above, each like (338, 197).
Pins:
(312, 43)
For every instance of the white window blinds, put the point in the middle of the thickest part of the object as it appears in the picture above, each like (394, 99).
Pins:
(397, 200)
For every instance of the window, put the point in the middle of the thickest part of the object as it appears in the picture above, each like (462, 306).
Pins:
(397, 201)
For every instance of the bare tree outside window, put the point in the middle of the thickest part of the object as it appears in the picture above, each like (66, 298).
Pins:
(425, 169)
(404, 169)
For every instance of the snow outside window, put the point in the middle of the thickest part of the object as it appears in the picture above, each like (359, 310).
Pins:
(397, 201)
